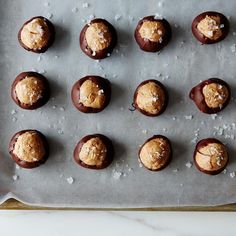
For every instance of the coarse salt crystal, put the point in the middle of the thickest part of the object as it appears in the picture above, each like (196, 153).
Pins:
(213, 116)
(117, 17)
(15, 177)
(74, 9)
(70, 180)
(233, 48)
(117, 175)
(190, 117)
(232, 174)
(189, 164)
(85, 5)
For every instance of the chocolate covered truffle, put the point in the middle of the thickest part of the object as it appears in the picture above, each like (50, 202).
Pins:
(98, 39)
(151, 98)
(29, 148)
(94, 152)
(152, 34)
(91, 94)
(210, 156)
(30, 90)
(155, 153)
(37, 34)
(211, 96)
(210, 27)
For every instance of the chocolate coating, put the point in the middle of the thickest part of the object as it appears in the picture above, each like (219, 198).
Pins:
(103, 85)
(165, 98)
(196, 94)
(153, 45)
(165, 157)
(100, 54)
(204, 143)
(109, 151)
(50, 40)
(207, 40)
(26, 164)
(45, 94)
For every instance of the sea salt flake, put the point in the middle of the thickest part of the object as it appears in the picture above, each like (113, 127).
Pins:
(70, 180)
(189, 164)
(190, 117)
(117, 175)
(15, 177)
(233, 48)
(13, 112)
(175, 170)
(74, 9)
(46, 4)
(85, 5)
(14, 119)
(144, 131)
(117, 17)
(213, 116)
(49, 15)
(224, 171)
(232, 174)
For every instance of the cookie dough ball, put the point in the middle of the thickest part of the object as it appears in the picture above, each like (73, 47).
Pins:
(152, 34)
(151, 98)
(94, 152)
(37, 34)
(29, 148)
(98, 39)
(30, 90)
(211, 96)
(91, 94)
(210, 156)
(210, 27)
(155, 153)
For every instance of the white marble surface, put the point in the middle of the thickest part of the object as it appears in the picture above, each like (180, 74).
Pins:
(58, 223)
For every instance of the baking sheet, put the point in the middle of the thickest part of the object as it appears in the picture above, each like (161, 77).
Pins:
(180, 66)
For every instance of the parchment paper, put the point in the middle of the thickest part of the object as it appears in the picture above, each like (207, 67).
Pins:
(180, 66)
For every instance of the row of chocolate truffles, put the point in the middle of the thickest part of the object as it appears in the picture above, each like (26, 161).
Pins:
(91, 94)
(98, 38)
(30, 149)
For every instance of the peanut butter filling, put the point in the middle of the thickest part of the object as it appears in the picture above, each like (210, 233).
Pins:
(91, 95)
(150, 98)
(155, 153)
(29, 90)
(35, 34)
(29, 147)
(215, 95)
(152, 30)
(93, 152)
(210, 27)
(211, 157)
(98, 37)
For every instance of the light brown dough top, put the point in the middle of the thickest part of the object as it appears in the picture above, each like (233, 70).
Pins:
(150, 98)
(91, 95)
(35, 34)
(211, 157)
(29, 147)
(210, 27)
(98, 36)
(93, 152)
(29, 90)
(155, 153)
(215, 95)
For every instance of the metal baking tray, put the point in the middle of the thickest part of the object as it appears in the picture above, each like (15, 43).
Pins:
(180, 66)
